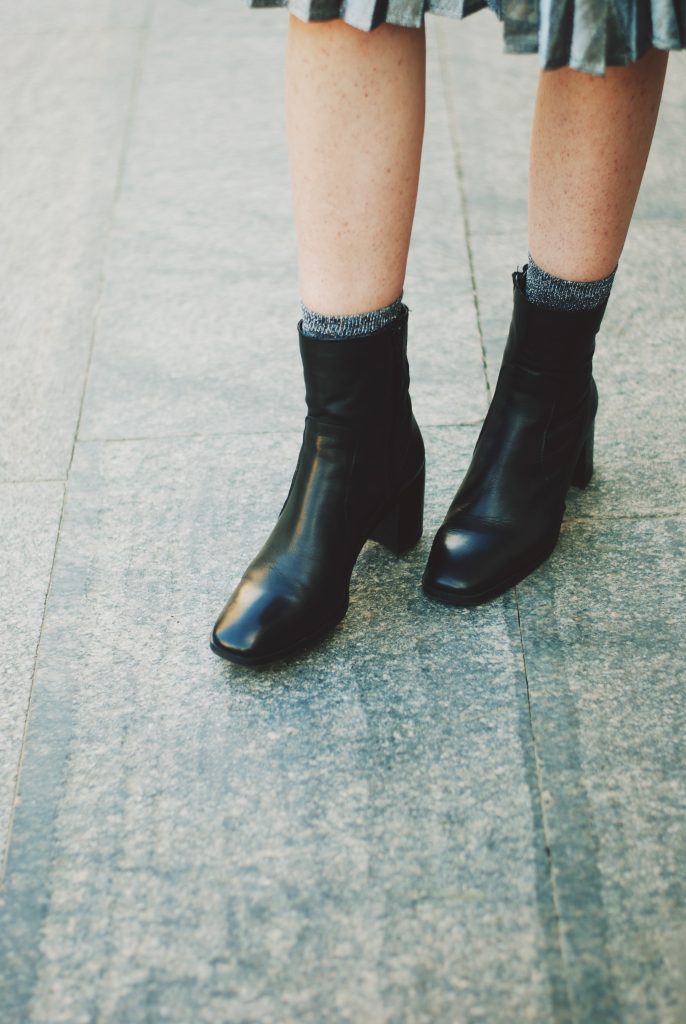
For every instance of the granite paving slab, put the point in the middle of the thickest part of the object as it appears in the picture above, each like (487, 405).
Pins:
(352, 836)
(216, 17)
(640, 460)
(178, 353)
(642, 423)
(446, 354)
(660, 202)
(43, 16)
(490, 98)
(29, 518)
(64, 100)
(206, 181)
(603, 626)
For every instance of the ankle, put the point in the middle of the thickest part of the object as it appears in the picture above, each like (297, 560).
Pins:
(551, 292)
(332, 327)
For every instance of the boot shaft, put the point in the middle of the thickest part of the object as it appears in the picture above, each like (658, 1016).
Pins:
(360, 387)
(548, 358)
(543, 408)
(356, 379)
(552, 341)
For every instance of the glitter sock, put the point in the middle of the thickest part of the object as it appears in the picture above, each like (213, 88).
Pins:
(543, 289)
(338, 328)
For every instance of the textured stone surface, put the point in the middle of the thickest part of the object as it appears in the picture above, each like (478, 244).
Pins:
(447, 360)
(353, 836)
(64, 100)
(604, 624)
(43, 16)
(490, 103)
(659, 202)
(403, 825)
(29, 517)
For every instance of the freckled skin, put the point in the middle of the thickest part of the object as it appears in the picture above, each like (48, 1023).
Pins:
(355, 118)
(589, 146)
(355, 115)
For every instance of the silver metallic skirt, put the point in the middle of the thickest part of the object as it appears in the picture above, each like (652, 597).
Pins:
(584, 34)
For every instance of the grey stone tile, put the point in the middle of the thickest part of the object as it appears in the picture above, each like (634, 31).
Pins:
(495, 257)
(651, 268)
(659, 200)
(646, 290)
(604, 627)
(640, 467)
(447, 362)
(353, 836)
(29, 517)
(206, 181)
(491, 101)
(180, 352)
(41, 16)
(63, 107)
(201, 302)
(641, 420)
(640, 460)
(181, 18)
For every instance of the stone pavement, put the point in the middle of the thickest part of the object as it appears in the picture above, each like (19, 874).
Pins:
(439, 815)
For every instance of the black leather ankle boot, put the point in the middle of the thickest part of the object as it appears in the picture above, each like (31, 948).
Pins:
(360, 476)
(536, 440)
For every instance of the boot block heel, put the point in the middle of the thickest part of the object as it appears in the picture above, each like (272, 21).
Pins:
(583, 471)
(402, 527)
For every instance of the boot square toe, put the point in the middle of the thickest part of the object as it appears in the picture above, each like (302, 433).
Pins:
(472, 564)
(261, 625)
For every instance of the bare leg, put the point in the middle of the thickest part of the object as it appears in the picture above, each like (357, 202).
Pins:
(355, 116)
(590, 142)
(355, 109)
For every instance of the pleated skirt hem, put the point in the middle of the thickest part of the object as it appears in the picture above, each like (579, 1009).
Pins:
(587, 35)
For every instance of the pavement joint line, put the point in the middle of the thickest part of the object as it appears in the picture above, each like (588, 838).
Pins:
(628, 517)
(544, 817)
(24, 734)
(143, 33)
(203, 436)
(33, 480)
(459, 174)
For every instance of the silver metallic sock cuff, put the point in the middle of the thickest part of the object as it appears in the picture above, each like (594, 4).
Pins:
(544, 289)
(338, 327)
